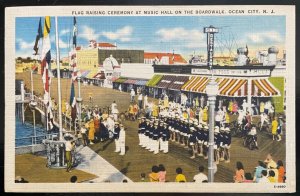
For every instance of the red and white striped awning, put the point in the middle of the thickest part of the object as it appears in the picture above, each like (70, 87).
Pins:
(233, 87)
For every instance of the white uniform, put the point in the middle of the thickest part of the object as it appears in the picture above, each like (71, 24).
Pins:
(122, 141)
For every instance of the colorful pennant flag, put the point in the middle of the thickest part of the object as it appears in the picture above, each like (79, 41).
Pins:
(38, 37)
(46, 69)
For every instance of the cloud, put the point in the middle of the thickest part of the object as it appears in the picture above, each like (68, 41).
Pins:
(23, 45)
(64, 32)
(264, 37)
(88, 33)
(193, 38)
(63, 44)
(123, 34)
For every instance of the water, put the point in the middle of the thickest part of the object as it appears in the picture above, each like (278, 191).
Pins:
(25, 133)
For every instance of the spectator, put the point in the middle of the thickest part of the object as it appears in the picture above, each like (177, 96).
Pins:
(153, 176)
(162, 173)
(179, 177)
(269, 161)
(240, 173)
(281, 171)
(19, 179)
(143, 177)
(132, 95)
(271, 176)
(73, 179)
(257, 175)
(264, 178)
(248, 178)
(69, 147)
(274, 128)
(201, 176)
(140, 100)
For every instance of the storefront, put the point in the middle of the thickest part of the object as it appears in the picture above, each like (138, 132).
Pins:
(151, 89)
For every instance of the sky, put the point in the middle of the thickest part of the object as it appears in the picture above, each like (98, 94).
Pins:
(183, 34)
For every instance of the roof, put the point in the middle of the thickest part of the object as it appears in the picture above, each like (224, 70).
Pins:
(154, 80)
(104, 44)
(177, 57)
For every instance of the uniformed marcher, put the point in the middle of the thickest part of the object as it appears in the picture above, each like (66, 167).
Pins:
(165, 138)
(161, 130)
(192, 141)
(177, 128)
(147, 133)
(172, 129)
(150, 144)
(116, 137)
(222, 143)
(122, 139)
(200, 139)
(155, 138)
(227, 144)
(143, 128)
(140, 130)
(205, 142)
(217, 145)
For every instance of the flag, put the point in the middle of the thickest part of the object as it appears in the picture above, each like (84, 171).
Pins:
(45, 69)
(38, 37)
(74, 33)
(73, 65)
(73, 102)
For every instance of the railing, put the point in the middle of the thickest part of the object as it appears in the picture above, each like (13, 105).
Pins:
(68, 125)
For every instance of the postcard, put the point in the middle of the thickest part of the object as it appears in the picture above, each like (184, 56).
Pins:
(150, 99)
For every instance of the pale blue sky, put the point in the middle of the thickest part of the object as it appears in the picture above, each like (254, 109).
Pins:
(183, 34)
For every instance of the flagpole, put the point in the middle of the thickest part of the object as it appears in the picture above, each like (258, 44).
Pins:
(58, 81)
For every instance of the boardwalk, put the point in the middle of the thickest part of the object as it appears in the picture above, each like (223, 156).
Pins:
(138, 160)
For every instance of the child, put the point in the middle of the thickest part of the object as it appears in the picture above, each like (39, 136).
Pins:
(153, 176)
(179, 177)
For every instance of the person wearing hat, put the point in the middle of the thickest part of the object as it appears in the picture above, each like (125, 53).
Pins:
(192, 141)
(110, 123)
(186, 133)
(227, 143)
(122, 140)
(222, 143)
(146, 135)
(217, 144)
(142, 126)
(161, 129)
(199, 137)
(165, 138)
(140, 130)
(117, 136)
(205, 142)
(150, 140)
(156, 138)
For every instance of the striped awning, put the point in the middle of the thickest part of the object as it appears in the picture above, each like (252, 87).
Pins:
(154, 80)
(239, 88)
(165, 81)
(100, 76)
(141, 82)
(178, 82)
(120, 80)
(84, 73)
(233, 87)
(130, 81)
(196, 84)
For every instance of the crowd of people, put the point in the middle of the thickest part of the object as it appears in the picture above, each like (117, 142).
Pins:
(267, 171)
(159, 174)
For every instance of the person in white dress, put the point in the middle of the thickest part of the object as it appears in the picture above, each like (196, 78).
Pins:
(122, 140)
(200, 177)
